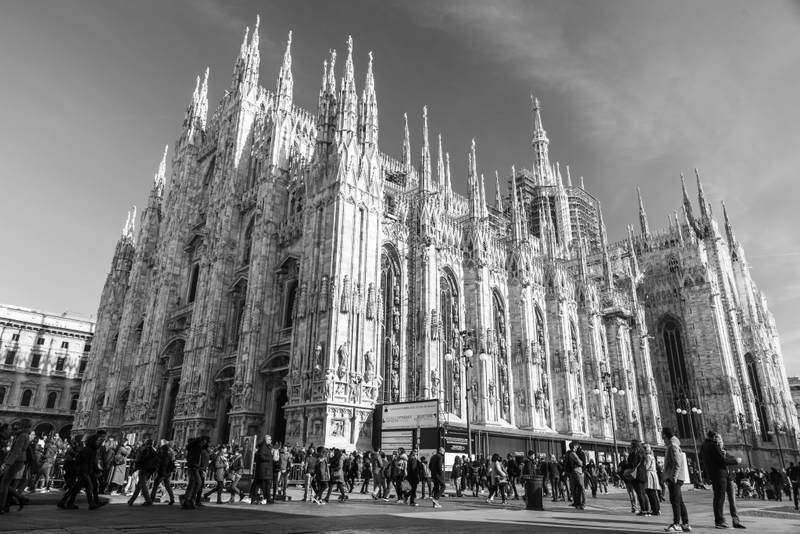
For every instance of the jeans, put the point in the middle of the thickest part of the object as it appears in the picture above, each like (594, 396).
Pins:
(438, 488)
(639, 490)
(723, 486)
(141, 487)
(193, 486)
(679, 513)
(163, 479)
(578, 493)
(652, 496)
(266, 487)
(82, 481)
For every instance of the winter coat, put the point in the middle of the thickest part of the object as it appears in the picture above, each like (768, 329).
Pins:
(673, 460)
(436, 466)
(652, 474)
(263, 461)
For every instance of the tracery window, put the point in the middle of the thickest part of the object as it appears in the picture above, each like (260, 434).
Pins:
(758, 395)
(678, 374)
(448, 310)
(193, 282)
(390, 325)
(27, 397)
(247, 247)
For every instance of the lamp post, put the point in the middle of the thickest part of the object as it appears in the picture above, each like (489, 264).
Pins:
(777, 431)
(464, 356)
(611, 390)
(686, 408)
(743, 426)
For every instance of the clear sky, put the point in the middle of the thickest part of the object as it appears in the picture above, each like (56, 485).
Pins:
(633, 93)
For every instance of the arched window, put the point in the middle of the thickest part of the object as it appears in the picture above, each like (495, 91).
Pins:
(678, 374)
(390, 324)
(288, 307)
(238, 306)
(448, 306)
(758, 394)
(27, 396)
(3, 391)
(174, 353)
(52, 397)
(247, 247)
(573, 337)
(73, 403)
(193, 282)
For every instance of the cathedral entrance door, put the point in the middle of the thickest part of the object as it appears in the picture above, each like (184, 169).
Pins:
(279, 418)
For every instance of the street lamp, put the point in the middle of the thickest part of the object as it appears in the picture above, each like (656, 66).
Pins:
(465, 358)
(610, 389)
(743, 425)
(778, 431)
(687, 409)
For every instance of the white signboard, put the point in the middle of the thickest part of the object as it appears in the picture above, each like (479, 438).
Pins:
(423, 414)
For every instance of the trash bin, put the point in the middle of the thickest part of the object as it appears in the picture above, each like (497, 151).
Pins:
(534, 493)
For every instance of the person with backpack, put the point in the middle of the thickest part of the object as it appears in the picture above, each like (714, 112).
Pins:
(166, 467)
(309, 472)
(85, 464)
(513, 469)
(147, 462)
(236, 462)
(425, 478)
(219, 466)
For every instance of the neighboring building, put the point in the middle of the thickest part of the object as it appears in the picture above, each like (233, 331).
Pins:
(794, 388)
(288, 277)
(43, 358)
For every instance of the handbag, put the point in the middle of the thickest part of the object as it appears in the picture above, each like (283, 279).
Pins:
(405, 486)
(627, 474)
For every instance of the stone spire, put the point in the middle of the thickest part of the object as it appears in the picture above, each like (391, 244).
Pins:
(569, 177)
(160, 177)
(245, 72)
(197, 110)
(449, 188)
(498, 194)
(348, 101)
(632, 252)
(368, 114)
(474, 187)
(440, 172)
(130, 225)
(645, 228)
(607, 272)
(687, 204)
(732, 242)
(484, 204)
(202, 101)
(406, 145)
(558, 175)
(582, 267)
(426, 180)
(519, 223)
(285, 85)
(705, 207)
(326, 112)
(540, 143)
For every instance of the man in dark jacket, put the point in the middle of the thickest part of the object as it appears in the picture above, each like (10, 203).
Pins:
(413, 474)
(166, 466)
(715, 464)
(147, 462)
(436, 466)
(194, 459)
(85, 466)
(262, 472)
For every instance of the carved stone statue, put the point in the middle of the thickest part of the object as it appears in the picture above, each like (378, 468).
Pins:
(369, 365)
(323, 294)
(343, 355)
(345, 305)
(371, 301)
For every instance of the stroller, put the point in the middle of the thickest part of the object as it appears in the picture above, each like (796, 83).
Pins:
(747, 489)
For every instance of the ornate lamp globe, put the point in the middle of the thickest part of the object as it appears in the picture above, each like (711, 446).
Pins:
(468, 353)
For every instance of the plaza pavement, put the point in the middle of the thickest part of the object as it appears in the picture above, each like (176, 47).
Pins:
(608, 513)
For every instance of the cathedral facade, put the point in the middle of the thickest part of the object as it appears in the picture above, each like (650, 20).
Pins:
(287, 277)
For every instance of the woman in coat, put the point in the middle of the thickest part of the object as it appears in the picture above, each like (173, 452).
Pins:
(457, 473)
(652, 484)
(337, 476)
(322, 474)
(119, 467)
(220, 473)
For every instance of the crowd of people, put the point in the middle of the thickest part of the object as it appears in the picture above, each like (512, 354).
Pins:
(100, 464)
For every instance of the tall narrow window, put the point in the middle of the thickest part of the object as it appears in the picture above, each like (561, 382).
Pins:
(10, 357)
(65, 345)
(247, 248)
(36, 358)
(60, 363)
(3, 391)
(449, 319)
(52, 397)
(288, 306)
(73, 403)
(758, 394)
(193, 282)
(82, 366)
(676, 362)
(390, 325)
(27, 396)
(14, 337)
(539, 328)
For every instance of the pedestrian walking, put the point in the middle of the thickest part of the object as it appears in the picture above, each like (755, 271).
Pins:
(436, 467)
(147, 462)
(194, 459)
(13, 464)
(166, 467)
(575, 465)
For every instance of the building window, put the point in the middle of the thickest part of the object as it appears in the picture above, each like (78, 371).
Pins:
(82, 366)
(65, 345)
(27, 396)
(52, 397)
(3, 391)
(60, 363)
(73, 403)
(193, 282)
(247, 248)
(36, 358)
(10, 357)
(14, 337)
(288, 308)
(87, 347)
(40, 341)
(758, 394)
